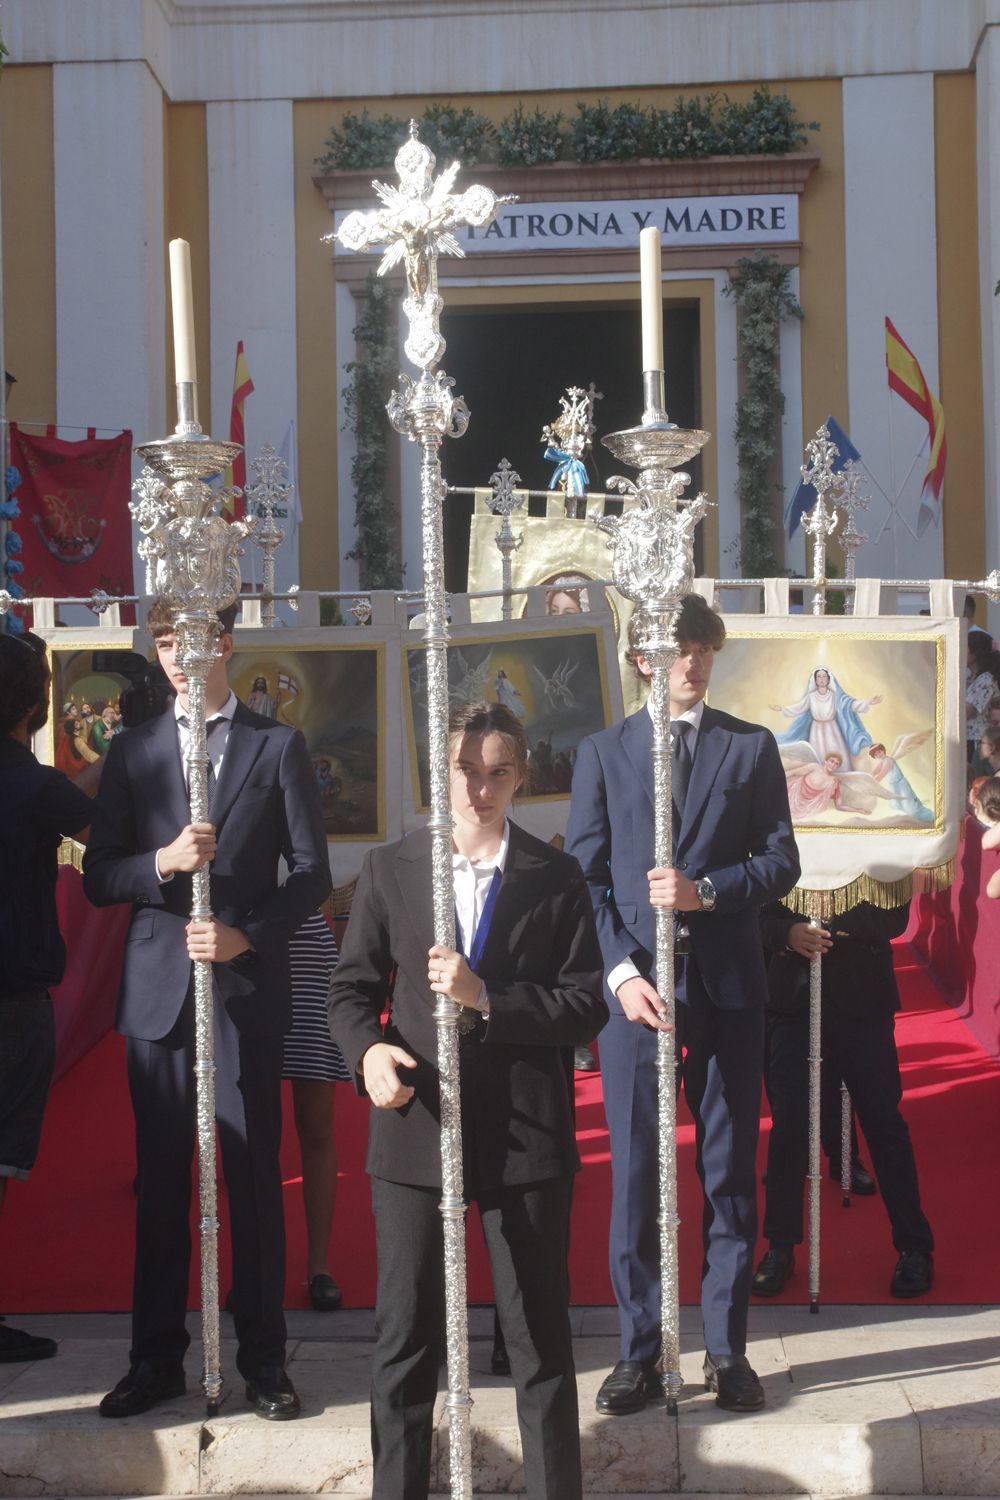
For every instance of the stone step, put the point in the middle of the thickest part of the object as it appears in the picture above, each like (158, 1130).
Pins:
(861, 1401)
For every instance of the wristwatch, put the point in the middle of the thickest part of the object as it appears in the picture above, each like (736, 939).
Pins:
(705, 891)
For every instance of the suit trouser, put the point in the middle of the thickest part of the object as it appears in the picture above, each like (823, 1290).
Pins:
(861, 1048)
(525, 1230)
(248, 1111)
(721, 1072)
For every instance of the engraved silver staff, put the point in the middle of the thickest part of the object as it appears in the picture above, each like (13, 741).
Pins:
(192, 562)
(654, 566)
(268, 495)
(503, 502)
(415, 225)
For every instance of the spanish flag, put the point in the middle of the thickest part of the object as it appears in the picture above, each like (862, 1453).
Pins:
(907, 379)
(237, 475)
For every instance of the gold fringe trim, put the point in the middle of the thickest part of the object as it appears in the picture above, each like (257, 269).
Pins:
(338, 903)
(71, 853)
(886, 894)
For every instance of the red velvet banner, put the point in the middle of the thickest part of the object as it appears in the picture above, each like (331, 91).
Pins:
(75, 528)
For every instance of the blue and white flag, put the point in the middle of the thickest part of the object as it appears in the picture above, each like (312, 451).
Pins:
(805, 496)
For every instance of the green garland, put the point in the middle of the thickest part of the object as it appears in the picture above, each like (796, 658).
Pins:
(766, 125)
(375, 550)
(760, 288)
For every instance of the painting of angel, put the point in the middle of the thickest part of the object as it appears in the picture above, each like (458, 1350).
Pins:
(555, 683)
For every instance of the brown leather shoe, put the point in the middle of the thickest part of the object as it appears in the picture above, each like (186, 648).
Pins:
(735, 1384)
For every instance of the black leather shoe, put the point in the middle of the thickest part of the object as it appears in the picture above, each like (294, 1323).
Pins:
(735, 1384)
(324, 1293)
(143, 1387)
(500, 1360)
(272, 1395)
(629, 1386)
(17, 1347)
(775, 1268)
(913, 1275)
(862, 1181)
(584, 1060)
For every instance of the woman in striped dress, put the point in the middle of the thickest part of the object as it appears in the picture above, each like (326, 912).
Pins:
(314, 1065)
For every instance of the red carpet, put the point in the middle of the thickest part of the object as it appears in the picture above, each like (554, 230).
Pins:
(66, 1239)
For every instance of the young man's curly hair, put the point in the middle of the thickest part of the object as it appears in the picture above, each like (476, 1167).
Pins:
(697, 625)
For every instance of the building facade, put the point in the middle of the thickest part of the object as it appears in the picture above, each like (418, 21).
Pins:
(126, 123)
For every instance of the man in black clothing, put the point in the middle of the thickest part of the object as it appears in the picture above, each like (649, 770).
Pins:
(860, 1000)
(38, 807)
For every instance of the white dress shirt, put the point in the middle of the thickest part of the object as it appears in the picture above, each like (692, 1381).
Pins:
(472, 880)
(627, 969)
(217, 742)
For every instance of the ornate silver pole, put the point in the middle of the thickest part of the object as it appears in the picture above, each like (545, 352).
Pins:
(268, 490)
(850, 499)
(815, 1063)
(654, 566)
(820, 522)
(415, 226)
(192, 562)
(503, 502)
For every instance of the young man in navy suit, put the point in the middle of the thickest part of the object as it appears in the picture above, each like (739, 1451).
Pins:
(263, 806)
(733, 851)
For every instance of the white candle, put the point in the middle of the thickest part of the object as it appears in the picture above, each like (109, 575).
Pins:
(650, 281)
(182, 306)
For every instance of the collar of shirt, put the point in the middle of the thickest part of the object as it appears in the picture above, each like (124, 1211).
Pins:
(472, 882)
(690, 715)
(216, 742)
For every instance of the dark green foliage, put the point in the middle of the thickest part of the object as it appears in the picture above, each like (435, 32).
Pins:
(456, 133)
(364, 399)
(529, 140)
(765, 126)
(688, 131)
(760, 287)
(601, 133)
(362, 141)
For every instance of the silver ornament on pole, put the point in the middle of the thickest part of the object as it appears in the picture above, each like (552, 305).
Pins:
(192, 563)
(415, 225)
(269, 490)
(504, 500)
(653, 565)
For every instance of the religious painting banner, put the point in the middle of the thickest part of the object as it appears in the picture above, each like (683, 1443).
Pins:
(556, 682)
(76, 530)
(336, 695)
(868, 716)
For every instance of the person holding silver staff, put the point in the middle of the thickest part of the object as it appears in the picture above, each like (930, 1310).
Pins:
(733, 849)
(528, 977)
(264, 807)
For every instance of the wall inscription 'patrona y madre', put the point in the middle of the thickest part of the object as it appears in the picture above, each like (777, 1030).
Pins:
(766, 219)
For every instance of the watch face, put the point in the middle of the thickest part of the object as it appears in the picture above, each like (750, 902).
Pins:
(706, 894)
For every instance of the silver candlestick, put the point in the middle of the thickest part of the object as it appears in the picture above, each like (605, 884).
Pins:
(268, 491)
(503, 501)
(654, 566)
(192, 562)
(415, 225)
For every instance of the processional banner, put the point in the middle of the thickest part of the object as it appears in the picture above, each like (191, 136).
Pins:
(868, 716)
(76, 532)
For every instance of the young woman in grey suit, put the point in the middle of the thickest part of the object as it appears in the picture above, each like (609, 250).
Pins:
(529, 982)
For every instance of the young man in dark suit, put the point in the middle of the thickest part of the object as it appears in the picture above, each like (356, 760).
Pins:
(263, 807)
(529, 981)
(733, 850)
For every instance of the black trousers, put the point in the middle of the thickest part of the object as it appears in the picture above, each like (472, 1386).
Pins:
(859, 1042)
(248, 1112)
(525, 1230)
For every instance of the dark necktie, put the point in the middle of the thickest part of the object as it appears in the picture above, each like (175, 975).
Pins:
(210, 728)
(680, 730)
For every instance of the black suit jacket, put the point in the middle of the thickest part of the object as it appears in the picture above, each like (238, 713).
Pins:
(736, 829)
(858, 972)
(265, 807)
(542, 969)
